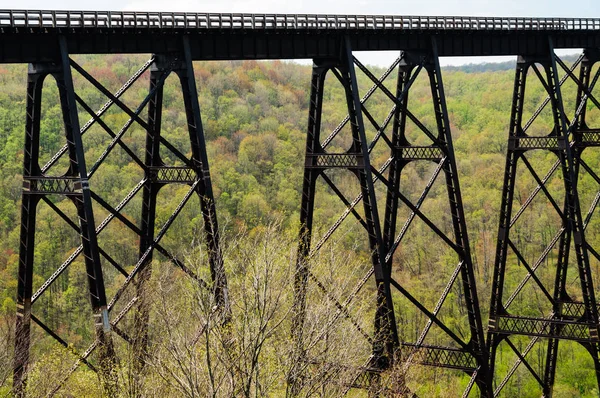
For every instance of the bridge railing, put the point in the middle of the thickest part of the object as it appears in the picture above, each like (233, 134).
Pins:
(180, 20)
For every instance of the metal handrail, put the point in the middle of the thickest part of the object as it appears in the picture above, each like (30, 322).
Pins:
(181, 20)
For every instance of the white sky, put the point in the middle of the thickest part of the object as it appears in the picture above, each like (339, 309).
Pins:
(533, 8)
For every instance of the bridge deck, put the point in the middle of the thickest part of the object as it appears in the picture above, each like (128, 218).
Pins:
(29, 36)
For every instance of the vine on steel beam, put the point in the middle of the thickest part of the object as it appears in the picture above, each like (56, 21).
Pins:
(569, 319)
(39, 183)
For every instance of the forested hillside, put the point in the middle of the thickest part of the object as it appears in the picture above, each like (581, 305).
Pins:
(255, 119)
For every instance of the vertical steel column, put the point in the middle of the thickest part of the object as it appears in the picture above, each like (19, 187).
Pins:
(510, 172)
(477, 342)
(397, 164)
(405, 70)
(560, 295)
(386, 334)
(313, 147)
(29, 203)
(204, 189)
(150, 191)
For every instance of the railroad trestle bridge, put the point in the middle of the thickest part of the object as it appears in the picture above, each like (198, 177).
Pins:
(47, 39)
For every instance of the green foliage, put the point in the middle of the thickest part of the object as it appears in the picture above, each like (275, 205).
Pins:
(255, 119)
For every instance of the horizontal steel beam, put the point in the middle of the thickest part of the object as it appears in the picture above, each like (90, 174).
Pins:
(49, 185)
(166, 175)
(438, 356)
(31, 36)
(415, 152)
(540, 327)
(587, 138)
(334, 160)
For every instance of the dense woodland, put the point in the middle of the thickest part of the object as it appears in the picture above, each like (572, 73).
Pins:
(255, 120)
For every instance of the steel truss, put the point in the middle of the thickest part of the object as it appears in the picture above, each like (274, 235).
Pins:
(387, 346)
(569, 318)
(40, 184)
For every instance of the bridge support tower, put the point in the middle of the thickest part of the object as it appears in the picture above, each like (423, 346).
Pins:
(41, 184)
(569, 318)
(389, 349)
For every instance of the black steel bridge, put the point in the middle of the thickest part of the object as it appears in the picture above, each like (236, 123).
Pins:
(47, 39)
